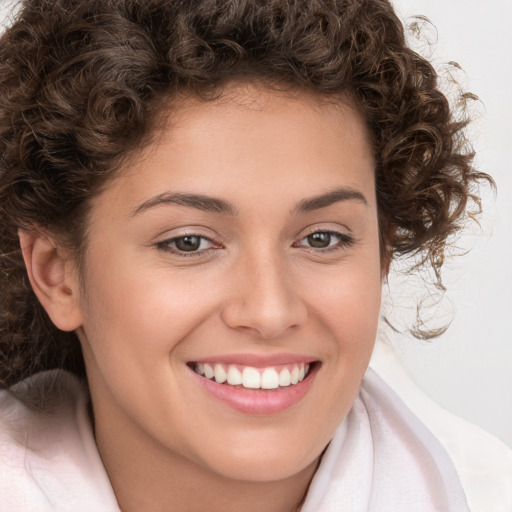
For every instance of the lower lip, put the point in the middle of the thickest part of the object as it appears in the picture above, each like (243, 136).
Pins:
(258, 401)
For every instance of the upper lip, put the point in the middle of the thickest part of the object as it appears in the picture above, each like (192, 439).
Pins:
(257, 360)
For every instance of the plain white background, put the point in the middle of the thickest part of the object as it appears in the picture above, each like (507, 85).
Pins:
(469, 369)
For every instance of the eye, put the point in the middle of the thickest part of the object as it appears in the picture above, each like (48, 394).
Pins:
(325, 240)
(187, 244)
(320, 240)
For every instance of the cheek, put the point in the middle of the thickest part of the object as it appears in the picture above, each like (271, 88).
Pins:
(134, 316)
(348, 302)
(137, 326)
(144, 313)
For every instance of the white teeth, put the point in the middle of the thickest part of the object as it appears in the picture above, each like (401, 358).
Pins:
(208, 371)
(234, 376)
(220, 374)
(269, 379)
(251, 378)
(284, 377)
(294, 375)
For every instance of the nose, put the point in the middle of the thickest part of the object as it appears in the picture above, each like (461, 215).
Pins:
(264, 300)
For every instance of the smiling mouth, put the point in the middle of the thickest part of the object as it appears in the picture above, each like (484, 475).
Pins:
(249, 377)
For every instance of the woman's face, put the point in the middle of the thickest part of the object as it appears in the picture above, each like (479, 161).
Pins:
(244, 243)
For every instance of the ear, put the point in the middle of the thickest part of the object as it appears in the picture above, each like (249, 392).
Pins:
(53, 278)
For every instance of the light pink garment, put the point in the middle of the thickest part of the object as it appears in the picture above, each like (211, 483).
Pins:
(483, 462)
(48, 460)
(381, 458)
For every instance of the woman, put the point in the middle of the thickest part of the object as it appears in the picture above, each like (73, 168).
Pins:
(200, 201)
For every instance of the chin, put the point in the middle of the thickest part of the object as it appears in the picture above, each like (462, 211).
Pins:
(264, 463)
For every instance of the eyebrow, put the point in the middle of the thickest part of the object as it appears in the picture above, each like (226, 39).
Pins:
(216, 205)
(199, 201)
(330, 198)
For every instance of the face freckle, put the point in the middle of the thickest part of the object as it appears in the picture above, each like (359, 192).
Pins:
(245, 238)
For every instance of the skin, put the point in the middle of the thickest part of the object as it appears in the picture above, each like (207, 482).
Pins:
(259, 287)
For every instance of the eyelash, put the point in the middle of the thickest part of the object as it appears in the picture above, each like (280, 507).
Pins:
(344, 241)
(165, 245)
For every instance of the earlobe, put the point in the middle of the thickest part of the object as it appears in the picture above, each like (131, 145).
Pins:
(53, 278)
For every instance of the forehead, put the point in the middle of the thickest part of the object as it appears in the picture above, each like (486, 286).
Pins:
(253, 139)
(250, 107)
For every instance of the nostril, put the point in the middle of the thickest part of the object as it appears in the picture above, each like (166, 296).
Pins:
(265, 321)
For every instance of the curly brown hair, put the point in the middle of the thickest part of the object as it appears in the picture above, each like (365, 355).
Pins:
(82, 82)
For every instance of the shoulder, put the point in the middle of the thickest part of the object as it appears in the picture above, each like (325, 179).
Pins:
(483, 463)
(48, 457)
(31, 407)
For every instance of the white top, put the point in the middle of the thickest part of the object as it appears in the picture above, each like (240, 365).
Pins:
(483, 462)
(381, 459)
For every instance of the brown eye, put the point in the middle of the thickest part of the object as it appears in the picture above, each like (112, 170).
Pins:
(188, 243)
(325, 240)
(319, 240)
